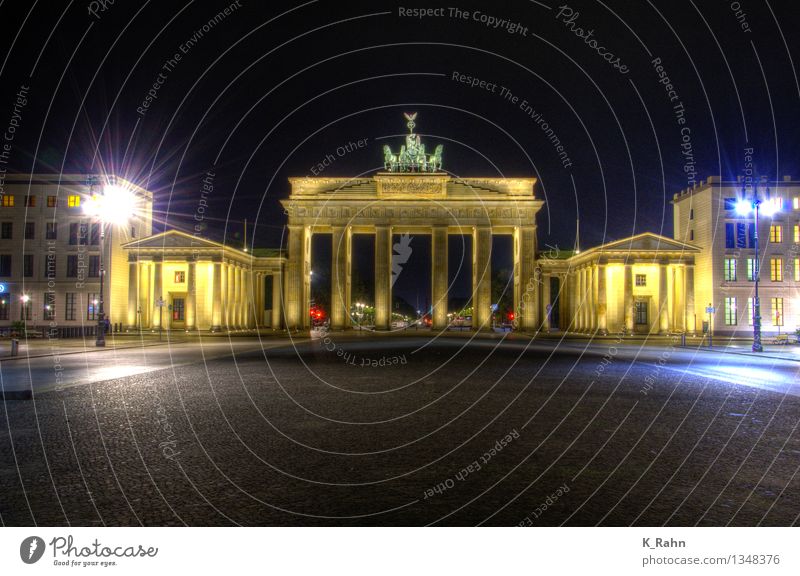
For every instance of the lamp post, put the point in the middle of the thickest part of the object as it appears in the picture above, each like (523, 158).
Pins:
(744, 207)
(113, 205)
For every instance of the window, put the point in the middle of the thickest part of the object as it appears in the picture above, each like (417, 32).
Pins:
(730, 311)
(691, 213)
(94, 266)
(730, 203)
(30, 230)
(730, 269)
(50, 265)
(796, 234)
(741, 239)
(776, 233)
(776, 269)
(5, 305)
(5, 264)
(26, 308)
(796, 202)
(777, 311)
(730, 235)
(7, 230)
(49, 310)
(751, 269)
(51, 231)
(180, 277)
(52, 201)
(776, 203)
(92, 305)
(27, 265)
(749, 311)
(797, 269)
(72, 266)
(640, 311)
(641, 279)
(751, 235)
(133, 231)
(77, 233)
(73, 200)
(691, 235)
(30, 201)
(8, 200)
(94, 235)
(69, 306)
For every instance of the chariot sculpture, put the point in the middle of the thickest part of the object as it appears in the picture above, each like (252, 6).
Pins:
(412, 156)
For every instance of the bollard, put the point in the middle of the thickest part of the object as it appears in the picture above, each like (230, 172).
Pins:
(14, 346)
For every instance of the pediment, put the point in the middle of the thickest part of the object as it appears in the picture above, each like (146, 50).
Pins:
(647, 242)
(172, 239)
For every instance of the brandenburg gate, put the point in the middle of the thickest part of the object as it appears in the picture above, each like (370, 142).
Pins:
(412, 195)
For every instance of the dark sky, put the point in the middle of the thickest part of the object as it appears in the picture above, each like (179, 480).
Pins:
(274, 87)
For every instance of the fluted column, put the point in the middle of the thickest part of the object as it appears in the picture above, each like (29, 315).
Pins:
(525, 290)
(340, 281)
(296, 288)
(191, 296)
(628, 298)
(230, 309)
(133, 291)
(602, 299)
(158, 312)
(546, 308)
(581, 300)
(663, 308)
(239, 295)
(276, 300)
(439, 277)
(691, 319)
(482, 278)
(216, 306)
(383, 277)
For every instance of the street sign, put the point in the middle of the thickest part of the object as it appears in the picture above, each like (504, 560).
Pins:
(2, 288)
(710, 310)
(160, 303)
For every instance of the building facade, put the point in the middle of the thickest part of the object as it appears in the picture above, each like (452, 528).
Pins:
(706, 216)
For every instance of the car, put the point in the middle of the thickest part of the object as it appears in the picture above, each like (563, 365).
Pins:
(399, 324)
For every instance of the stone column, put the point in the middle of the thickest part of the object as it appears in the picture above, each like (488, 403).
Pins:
(340, 281)
(191, 296)
(663, 308)
(592, 275)
(296, 292)
(546, 312)
(228, 302)
(216, 307)
(482, 278)
(691, 319)
(602, 299)
(133, 292)
(383, 277)
(439, 241)
(239, 295)
(525, 291)
(628, 298)
(276, 300)
(158, 313)
(581, 300)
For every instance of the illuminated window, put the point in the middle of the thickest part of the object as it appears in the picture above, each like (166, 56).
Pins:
(8, 200)
(641, 279)
(776, 269)
(730, 203)
(777, 311)
(49, 310)
(30, 201)
(751, 269)
(796, 202)
(4, 306)
(69, 306)
(730, 269)
(92, 306)
(775, 203)
(180, 277)
(73, 200)
(797, 269)
(776, 233)
(730, 311)
(749, 311)
(796, 235)
(52, 201)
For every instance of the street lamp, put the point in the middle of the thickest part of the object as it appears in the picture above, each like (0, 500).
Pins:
(114, 205)
(744, 207)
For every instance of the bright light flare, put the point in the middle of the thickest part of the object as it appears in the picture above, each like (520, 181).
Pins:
(116, 205)
(771, 206)
(743, 207)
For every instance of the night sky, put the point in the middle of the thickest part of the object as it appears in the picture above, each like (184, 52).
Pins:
(273, 88)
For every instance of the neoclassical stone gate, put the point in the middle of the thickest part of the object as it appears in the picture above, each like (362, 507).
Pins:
(412, 196)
